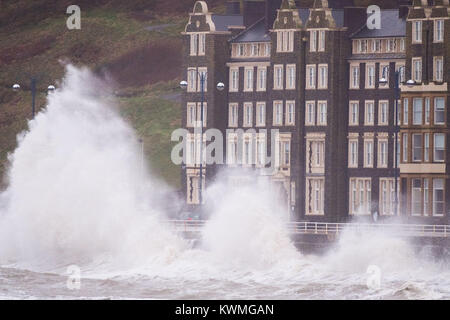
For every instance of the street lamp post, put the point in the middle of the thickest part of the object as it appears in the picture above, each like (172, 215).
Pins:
(17, 87)
(410, 83)
(220, 87)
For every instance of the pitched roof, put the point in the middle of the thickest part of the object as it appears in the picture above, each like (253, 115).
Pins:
(222, 22)
(255, 33)
(391, 26)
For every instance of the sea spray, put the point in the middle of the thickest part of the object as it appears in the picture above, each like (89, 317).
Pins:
(77, 190)
(247, 225)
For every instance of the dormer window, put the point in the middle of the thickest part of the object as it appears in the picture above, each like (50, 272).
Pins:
(390, 45)
(266, 50)
(313, 40)
(285, 41)
(362, 46)
(250, 50)
(255, 51)
(322, 40)
(241, 50)
(376, 45)
(194, 44)
(198, 44)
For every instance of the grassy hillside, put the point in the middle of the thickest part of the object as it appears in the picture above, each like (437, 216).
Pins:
(116, 42)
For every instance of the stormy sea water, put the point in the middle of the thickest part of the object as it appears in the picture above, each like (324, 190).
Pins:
(79, 199)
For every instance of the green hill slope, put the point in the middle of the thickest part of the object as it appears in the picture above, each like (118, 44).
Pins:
(115, 41)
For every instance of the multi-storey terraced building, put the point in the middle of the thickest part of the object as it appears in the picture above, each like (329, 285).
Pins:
(325, 78)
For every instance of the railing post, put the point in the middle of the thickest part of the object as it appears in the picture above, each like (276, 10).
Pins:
(316, 229)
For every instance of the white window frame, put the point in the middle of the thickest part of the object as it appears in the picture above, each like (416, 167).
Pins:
(261, 79)
(406, 111)
(322, 71)
(261, 150)
(370, 76)
(261, 114)
(291, 76)
(317, 187)
(278, 113)
(440, 110)
(368, 152)
(232, 149)
(249, 81)
(290, 113)
(192, 79)
(417, 67)
(234, 79)
(310, 112)
(321, 115)
(369, 121)
(311, 76)
(435, 202)
(439, 30)
(382, 161)
(417, 111)
(387, 196)
(233, 115)
(360, 188)
(193, 48)
(353, 155)
(417, 31)
(353, 119)
(322, 39)
(438, 68)
(278, 77)
(191, 117)
(383, 109)
(200, 71)
(354, 77)
(435, 147)
(248, 114)
(405, 148)
(313, 40)
(376, 45)
(201, 44)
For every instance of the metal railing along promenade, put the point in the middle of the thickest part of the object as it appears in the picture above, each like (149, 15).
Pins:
(326, 228)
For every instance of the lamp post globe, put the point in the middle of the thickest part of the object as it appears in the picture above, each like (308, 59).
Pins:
(220, 86)
(410, 83)
(183, 85)
(16, 87)
(383, 81)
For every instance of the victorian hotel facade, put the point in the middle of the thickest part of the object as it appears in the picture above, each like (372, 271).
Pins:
(328, 83)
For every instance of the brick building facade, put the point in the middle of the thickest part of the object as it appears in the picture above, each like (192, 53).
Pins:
(313, 74)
